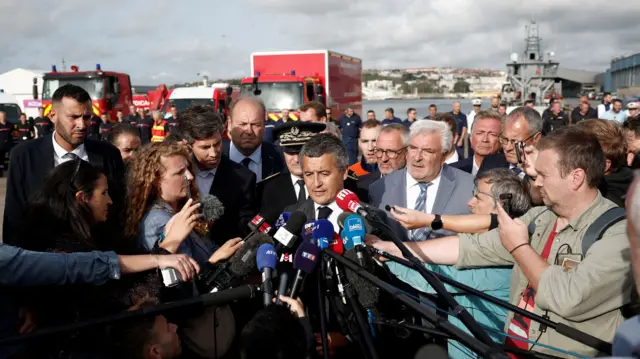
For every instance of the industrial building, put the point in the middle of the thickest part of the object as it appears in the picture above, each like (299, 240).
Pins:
(623, 76)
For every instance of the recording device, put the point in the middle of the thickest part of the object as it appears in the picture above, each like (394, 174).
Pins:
(389, 208)
(307, 256)
(307, 231)
(336, 245)
(349, 202)
(211, 208)
(170, 277)
(287, 235)
(519, 147)
(368, 294)
(354, 232)
(282, 220)
(323, 233)
(266, 260)
(506, 202)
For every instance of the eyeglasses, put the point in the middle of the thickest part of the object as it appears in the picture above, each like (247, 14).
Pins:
(508, 141)
(390, 153)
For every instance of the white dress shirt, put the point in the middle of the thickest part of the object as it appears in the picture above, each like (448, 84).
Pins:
(333, 218)
(413, 192)
(474, 168)
(204, 180)
(296, 186)
(60, 155)
(256, 159)
(453, 159)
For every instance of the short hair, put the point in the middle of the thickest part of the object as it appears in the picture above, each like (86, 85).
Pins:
(530, 115)
(274, 332)
(317, 107)
(503, 105)
(404, 132)
(487, 114)
(410, 109)
(122, 129)
(74, 92)
(449, 119)
(200, 122)
(503, 180)
(155, 113)
(254, 100)
(326, 143)
(606, 94)
(616, 100)
(371, 111)
(433, 105)
(371, 124)
(612, 140)
(389, 109)
(633, 124)
(430, 126)
(529, 102)
(576, 148)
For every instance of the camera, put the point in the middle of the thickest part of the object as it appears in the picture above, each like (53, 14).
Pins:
(170, 277)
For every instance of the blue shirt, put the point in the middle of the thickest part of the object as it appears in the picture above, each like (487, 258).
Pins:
(350, 127)
(461, 120)
(492, 281)
(393, 120)
(268, 131)
(408, 123)
(619, 117)
(256, 159)
(627, 339)
(19, 267)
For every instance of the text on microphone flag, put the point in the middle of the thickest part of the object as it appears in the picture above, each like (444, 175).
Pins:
(308, 256)
(286, 257)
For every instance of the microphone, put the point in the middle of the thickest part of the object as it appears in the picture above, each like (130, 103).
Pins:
(336, 245)
(368, 294)
(354, 232)
(257, 225)
(211, 208)
(307, 231)
(323, 233)
(266, 260)
(349, 202)
(282, 220)
(287, 235)
(307, 256)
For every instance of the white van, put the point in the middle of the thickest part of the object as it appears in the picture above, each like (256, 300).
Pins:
(10, 106)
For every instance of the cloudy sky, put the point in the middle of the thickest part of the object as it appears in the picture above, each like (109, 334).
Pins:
(158, 41)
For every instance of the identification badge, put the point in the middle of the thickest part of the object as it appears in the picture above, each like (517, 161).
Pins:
(569, 261)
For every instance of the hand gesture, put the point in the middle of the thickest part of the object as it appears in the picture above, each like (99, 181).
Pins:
(184, 264)
(180, 225)
(409, 218)
(385, 246)
(226, 251)
(530, 157)
(513, 232)
(295, 305)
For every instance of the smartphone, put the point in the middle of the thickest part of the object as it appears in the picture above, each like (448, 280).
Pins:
(506, 201)
(519, 146)
(186, 183)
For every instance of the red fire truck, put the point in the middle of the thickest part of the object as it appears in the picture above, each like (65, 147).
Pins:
(109, 91)
(289, 79)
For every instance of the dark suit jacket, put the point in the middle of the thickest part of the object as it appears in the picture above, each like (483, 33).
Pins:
(275, 194)
(464, 164)
(272, 161)
(235, 187)
(490, 162)
(362, 186)
(32, 161)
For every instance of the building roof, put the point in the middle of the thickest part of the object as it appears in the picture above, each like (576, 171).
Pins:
(580, 76)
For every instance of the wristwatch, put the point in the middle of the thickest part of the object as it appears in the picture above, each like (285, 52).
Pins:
(436, 224)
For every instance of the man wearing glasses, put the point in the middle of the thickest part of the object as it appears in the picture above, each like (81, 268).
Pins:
(521, 128)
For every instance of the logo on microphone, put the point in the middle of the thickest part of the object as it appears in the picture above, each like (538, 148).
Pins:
(308, 256)
(257, 221)
(271, 253)
(286, 257)
(355, 226)
(280, 222)
(343, 194)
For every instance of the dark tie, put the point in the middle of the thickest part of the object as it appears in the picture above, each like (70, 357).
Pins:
(324, 212)
(302, 194)
(246, 162)
(516, 170)
(72, 156)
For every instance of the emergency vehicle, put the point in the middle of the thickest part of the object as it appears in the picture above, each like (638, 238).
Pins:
(9, 105)
(109, 91)
(289, 79)
(183, 97)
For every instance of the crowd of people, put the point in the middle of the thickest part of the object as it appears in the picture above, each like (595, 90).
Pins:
(97, 212)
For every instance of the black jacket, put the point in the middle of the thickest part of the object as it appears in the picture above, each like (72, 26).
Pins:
(31, 162)
(490, 162)
(275, 194)
(465, 164)
(235, 187)
(363, 183)
(272, 160)
(614, 187)
(576, 116)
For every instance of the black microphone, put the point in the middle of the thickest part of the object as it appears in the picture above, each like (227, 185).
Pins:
(307, 256)
(211, 208)
(287, 235)
(368, 294)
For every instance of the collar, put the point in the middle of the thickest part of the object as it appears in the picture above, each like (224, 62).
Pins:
(412, 182)
(454, 158)
(367, 167)
(204, 173)
(333, 205)
(294, 178)
(256, 156)
(60, 152)
(584, 220)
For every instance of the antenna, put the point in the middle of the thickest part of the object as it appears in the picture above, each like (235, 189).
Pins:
(64, 67)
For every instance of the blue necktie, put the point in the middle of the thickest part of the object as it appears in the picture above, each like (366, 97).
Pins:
(420, 206)
(516, 170)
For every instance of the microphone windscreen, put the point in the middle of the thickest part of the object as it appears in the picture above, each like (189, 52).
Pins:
(295, 222)
(243, 262)
(336, 246)
(306, 257)
(266, 257)
(354, 229)
(367, 293)
(341, 218)
(346, 199)
(323, 233)
(388, 208)
(346, 241)
(307, 231)
(431, 351)
(282, 220)
(212, 208)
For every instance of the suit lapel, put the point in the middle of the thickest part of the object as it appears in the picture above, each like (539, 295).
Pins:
(219, 176)
(95, 157)
(47, 152)
(308, 209)
(267, 161)
(396, 189)
(445, 190)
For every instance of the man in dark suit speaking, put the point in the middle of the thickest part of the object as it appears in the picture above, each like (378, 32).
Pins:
(31, 161)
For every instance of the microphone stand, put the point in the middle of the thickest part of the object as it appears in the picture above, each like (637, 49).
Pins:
(219, 298)
(323, 318)
(474, 344)
(437, 285)
(561, 328)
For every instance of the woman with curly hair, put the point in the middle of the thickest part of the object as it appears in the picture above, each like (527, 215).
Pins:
(160, 182)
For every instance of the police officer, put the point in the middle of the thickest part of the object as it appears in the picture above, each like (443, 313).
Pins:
(24, 130)
(42, 124)
(287, 187)
(105, 126)
(350, 124)
(6, 139)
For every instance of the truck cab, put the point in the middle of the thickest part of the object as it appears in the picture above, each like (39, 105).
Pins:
(9, 105)
(109, 91)
(183, 97)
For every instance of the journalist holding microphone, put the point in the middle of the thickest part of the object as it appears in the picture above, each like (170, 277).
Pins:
(551, 275)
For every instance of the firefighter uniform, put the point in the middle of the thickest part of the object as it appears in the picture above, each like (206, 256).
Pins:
(144, 126)
(173, 125)
(6, 142)
(43, 125)
(105, 128)
(24, 132)
(93, 131)
(159, 131)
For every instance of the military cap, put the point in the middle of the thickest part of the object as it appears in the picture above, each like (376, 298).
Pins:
(294, 134)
